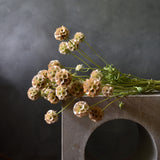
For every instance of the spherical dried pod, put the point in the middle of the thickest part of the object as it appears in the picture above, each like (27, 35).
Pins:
(54, 63)
(51, 117)
(33, 93)
(107, 90)
(39, 81)
(95, 114)
(63, 77)
(45, 92)
(76, 89)
(52, 98)
(43, 73)
(61, 33)
(92, 87)
(63, 48)
(72, 45)
(81, 109)
(96, 74)
(79, 36)
(52, 72)
(62, 92)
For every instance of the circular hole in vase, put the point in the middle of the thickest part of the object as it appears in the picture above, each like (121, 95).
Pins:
(120, 140)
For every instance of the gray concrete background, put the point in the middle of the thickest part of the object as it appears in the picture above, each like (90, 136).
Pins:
(125, 32)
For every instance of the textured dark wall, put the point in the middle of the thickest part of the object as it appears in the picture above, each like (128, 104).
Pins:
(125, 32)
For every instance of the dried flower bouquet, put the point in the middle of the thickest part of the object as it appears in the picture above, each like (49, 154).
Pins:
(61, 83)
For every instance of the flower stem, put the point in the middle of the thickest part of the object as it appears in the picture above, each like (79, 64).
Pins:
(67, 105)
(81, 60)
(95, 52)
(112, 102)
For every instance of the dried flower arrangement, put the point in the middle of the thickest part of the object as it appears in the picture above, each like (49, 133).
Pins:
(61, 83)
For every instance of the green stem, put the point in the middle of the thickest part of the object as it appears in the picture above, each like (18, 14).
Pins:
(67, 105)
(87, 57)
(81, 60)
(102, 101)
(95, 51)
(111, 103)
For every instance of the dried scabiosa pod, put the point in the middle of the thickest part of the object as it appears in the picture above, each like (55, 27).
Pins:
(63, 77)
(33, 93)
(61, 33)
(96, 74)
(43, 73)
(92, 87)
(39, 81)
(52, 98)
(72, 45)
(63, 48)
(79, 36)
(45, 92)
(107, 90)
(52, 72)
(81, 109)
(62, 92)
(51, 117)
(95, 114)
(76, 89)
(54, 63)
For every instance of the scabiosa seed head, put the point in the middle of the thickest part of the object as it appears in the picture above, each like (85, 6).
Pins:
(39, 81)
(81, 109)
(76, 89)
(45, 92)
(79, 36)
(96, 74)
(107, 90)
(79, 67)
(92, 87)
(52, 98)
(95, 114)
(63, 77)
(63, 48)
(52, 72)
(54, 63)
(33, 93)
(43, 73)
(72, 45)
(51, 117)
(62, 92)
(61, 33)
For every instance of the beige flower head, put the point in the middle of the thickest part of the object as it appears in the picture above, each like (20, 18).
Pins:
(33, 93)
(63, 48)
(79, 67)
(81, 109)
(39, 81)
(54, 63)
(72, 45)
(52, 98)
(52, 72)
(61, 33)
(107, 90)
(43, 73)
(51, 117)
(92, 87)
(96, 114)
(76, 89)
(62, 92)
(45, 92)
(79, 36)
(96, 74)
(63, 77)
